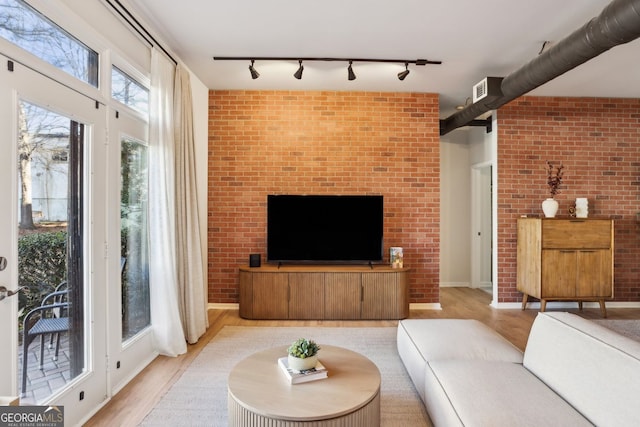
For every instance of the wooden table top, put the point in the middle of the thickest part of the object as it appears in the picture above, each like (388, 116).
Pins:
(258, 384)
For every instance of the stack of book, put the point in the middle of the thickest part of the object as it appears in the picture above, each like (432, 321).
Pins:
(297, 377)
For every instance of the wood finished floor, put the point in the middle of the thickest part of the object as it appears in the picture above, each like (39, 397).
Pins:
(135, 401)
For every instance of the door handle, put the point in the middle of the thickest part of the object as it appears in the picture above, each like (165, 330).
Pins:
(4, 292)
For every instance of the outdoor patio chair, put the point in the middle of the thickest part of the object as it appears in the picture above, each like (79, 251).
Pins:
(59, 295)
(51, 318)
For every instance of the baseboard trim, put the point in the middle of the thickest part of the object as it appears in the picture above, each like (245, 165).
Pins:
(425, 306)
(455, 284)
(222, 306)
(500, 305)
(235, 306)
(566, 304)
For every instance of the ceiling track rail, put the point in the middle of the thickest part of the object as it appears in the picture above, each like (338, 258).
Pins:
(133, 22)
(302, 58)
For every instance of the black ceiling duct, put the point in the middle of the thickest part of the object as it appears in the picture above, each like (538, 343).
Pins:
(617, 24)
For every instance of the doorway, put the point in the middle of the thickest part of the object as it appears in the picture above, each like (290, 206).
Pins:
(482, 227)
(48, 133)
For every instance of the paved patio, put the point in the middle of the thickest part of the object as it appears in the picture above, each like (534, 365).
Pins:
(54, 375)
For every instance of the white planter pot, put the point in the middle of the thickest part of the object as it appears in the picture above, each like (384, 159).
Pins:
(298, 364)
(550, 207)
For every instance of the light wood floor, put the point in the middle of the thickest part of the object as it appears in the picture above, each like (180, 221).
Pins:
(135, 401)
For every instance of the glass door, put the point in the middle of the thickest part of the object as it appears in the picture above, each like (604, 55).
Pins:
(50, 242)
(52, 223)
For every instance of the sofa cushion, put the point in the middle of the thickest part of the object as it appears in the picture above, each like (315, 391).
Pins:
(458, 339)
(422, 340)
(593, 368)
(489, 393)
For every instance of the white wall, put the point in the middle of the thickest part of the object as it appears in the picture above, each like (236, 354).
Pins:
(200, 94)
(460, 152)
(455, 206)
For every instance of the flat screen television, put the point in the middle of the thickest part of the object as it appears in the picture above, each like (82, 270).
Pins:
(324, 228)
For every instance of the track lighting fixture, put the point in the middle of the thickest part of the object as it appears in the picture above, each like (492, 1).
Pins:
(254, 73)
(403, 74)
(351, 75)
(298, 74)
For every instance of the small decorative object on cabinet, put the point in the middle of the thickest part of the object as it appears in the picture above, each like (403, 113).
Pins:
(554, 179)
(396, 257)
(582, 207)
(550, 207)
(565, 260)
(303, 354)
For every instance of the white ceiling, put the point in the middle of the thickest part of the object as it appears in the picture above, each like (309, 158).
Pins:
(473, 39)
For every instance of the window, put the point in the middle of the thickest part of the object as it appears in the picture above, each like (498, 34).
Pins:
(128, 91)
(134, 236)
(33, 32)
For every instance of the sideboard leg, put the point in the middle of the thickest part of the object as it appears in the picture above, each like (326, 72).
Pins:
(525, 297)
(603, 308)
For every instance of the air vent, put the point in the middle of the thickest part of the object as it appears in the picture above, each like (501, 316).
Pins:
(489, 86)
(480, 90)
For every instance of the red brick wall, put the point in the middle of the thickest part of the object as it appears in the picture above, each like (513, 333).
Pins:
(598, 141)
(280, 142)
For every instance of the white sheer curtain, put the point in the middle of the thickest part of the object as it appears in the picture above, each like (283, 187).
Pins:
(165, 315)
(191, 285)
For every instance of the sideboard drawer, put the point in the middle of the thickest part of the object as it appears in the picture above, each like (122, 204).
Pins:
(576, 234)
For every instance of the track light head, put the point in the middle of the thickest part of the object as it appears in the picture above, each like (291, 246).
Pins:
(254, 73)
(298, 74)
(351, 75)
(403, 74)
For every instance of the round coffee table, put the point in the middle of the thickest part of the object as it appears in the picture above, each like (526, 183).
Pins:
(260, 394)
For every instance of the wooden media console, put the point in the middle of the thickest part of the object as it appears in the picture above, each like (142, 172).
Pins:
(324, 292)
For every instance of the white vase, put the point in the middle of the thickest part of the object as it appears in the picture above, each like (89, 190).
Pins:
(298, 364)
(550, 207)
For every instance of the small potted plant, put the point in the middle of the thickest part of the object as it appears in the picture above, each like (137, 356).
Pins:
(303, 354)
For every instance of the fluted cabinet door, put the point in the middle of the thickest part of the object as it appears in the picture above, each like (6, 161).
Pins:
(246, 295)
(270, 296)
(342, 295)
(306, 295)
(379, 296)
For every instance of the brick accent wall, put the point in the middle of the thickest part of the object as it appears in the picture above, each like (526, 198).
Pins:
(281, 142)
(598, 141)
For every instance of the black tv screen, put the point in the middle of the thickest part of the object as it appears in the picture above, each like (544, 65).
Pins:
(324, 228)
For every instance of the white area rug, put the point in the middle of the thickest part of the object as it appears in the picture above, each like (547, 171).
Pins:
(199, 397)
(628, 328)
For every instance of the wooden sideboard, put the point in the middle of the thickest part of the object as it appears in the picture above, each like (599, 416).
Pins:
(324, 292)
(565, 259)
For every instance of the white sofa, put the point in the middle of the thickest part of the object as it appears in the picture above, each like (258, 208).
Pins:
(573, 372)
